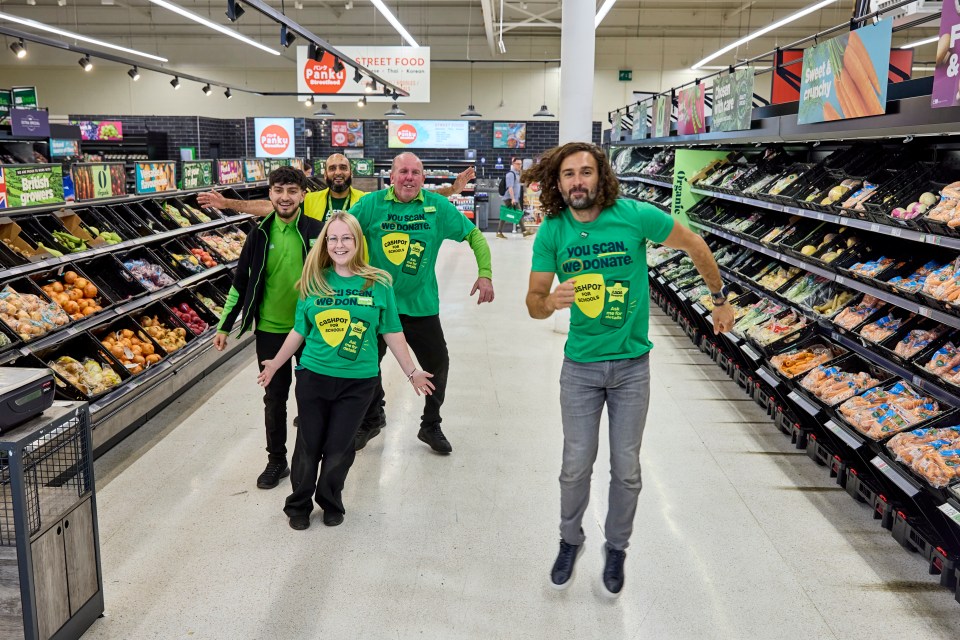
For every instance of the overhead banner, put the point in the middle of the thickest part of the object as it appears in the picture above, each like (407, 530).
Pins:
(404, 67)
(25, 98)
(253, 171)
(155, 177)
(30, 122)
(662, 106)
(690, 111)
(99, 180)
(429, 134)
(946, 75)
(846, 77)
(229, 172)
(640, 112)
(733, 101)
(346, 134)
(274, 137)
(197, 174)
(30, 184)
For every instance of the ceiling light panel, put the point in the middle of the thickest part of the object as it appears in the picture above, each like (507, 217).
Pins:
(213, 25)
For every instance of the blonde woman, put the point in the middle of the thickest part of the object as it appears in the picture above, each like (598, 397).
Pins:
(344, 303)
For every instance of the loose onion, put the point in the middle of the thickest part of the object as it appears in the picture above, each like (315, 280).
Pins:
(80, 283)
(90, 291)
(70, 277)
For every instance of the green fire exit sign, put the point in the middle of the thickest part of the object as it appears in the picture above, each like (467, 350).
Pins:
(626, 75)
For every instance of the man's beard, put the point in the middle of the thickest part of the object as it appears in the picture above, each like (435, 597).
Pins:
(580, 202)
(346, 185)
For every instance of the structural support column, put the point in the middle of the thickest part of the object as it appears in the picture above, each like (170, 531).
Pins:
(576, 71)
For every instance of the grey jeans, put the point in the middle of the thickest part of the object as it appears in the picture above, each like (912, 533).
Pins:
(624, 385)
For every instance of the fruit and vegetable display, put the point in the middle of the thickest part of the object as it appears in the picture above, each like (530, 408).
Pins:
(832, 385)
(933, 454)
(76, 295)
(880, 413)
(857, 314)
(188, 262)
(657, 255)
(881, 329)
(805, 287)
(777, 328)
(109, 237)
(918, 340)
(175, 214)
(799, 361)
(210, 303)
(915, 209)
(89, 376)
(197, 213)
(14, 248)
(873, 268)
(839, 192)
(948, 209)
(70, 242)
(943, 283)
(30, 316)
(133, 349)
(229, 245)
(756, 314)
(4, 340)
(915, 281)
(150, 275)
(860, 196)
(190, 318)
(170, 339)
(777, 277)
(945, 363)
(834, 304)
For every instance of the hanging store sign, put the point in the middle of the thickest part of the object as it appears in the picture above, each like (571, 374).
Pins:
(99, 180)
(846, 77)
(687, 163)
(229, 172)
(100, 129)
(404, 67)
(662, 106)
(269, 164)
(253, 171)
(30, 122)
(197, 174)
(60, 148)
(361, 166)
(155, 177)
(274, 137)
(733, 101)
(640, 112)
(346, 134)
(29, 185)
(690, 111)
(24, 97)
(946, 75)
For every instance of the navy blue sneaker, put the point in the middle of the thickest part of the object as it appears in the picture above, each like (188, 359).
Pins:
(562, 573)
(613, 570)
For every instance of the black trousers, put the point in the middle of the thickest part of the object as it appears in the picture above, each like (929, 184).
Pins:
(425, 337)
(275, 395)
(330, 413)
(513, 204)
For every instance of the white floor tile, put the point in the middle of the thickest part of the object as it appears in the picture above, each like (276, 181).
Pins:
(738, 534)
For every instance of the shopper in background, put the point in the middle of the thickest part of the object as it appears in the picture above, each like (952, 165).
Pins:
(339, 195)
(596, 245)
(514, 197)
(343, 304)
(405, 226)
(263, 292)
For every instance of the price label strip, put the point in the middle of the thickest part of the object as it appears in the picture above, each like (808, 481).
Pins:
(894, 476)
(802, 402)
(848, 438)
(950, 512)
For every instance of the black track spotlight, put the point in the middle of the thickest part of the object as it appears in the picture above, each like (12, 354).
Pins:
(362, 102)
(308, 102)
(337, 65)
(85, 63)
(357, 76)
(234, 10)
(311, 51)
(228, 93)
(19, 49)
(207, 90)
(175, 83)
(286, 36)
(134, 73)
(395, 95)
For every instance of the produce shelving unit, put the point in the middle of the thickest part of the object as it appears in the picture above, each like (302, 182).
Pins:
(921, 517)
(138, 397)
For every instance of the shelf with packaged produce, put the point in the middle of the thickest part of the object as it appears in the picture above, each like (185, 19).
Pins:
(139, 396)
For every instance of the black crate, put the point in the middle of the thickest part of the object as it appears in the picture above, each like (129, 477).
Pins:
(157, 211)
(116, 330)
(58, 276)
(79, 347)
(142, 257)
(859, 487)
(164, 315)
(178, 258)
(175, 304)
(53, 316)
(883, 510)
(111, 278)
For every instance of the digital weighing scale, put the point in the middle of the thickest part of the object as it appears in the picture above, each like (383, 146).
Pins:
(24, 394)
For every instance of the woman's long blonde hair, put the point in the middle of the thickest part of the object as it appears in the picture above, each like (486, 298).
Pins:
(313, 281)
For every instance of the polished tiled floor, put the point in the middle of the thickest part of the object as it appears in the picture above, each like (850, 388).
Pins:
(738, 535)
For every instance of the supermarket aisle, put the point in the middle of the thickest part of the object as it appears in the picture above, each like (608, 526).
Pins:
(738, 535)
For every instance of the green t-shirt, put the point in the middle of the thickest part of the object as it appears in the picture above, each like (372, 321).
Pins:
(341, 330)
(404, 240)
(607, 257)
(338, 204)
(284, 266)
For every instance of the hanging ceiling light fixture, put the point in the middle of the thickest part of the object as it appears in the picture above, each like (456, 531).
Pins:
(213, 25)
(228, 93)
(338, 65)
(134, 73)
(175, 83)
(207, 90)
(324, 112)
(235, 10)
(395, 112)
(19, 49)
(544, 112)
(85, 63)
(33, 24)
(308, 102)
(471, 111)
(286, 36)
(362, 102)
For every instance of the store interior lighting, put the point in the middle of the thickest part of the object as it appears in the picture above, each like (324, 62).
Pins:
(19, 49)
(362, 102)
(213, 25)
(134, 74)
(286, 36)
(471, 111)
(308, 102)
(337, 65)
(395, 112)
(919, 43)
(85, 63)
(602, 12)
(767, 29)
(207, 90)
(235, 10)
(544, 112)
(228, 94)
(33, 24)
(175, 83)
(324, 112)
(357, 76)
(392, 19)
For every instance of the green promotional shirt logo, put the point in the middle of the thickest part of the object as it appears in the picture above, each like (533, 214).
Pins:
(618, 301)
(414, 257)
(353, 342)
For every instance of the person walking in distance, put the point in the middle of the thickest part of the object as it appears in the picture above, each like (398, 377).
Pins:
(343, 303)
(514, 197)
(404, 227)
(263, 291)
(596, 245)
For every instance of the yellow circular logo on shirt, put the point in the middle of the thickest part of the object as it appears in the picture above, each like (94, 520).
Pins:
(590, 294)
(395, 247)
(333, 324)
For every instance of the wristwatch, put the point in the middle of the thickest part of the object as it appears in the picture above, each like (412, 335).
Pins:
(720, 299)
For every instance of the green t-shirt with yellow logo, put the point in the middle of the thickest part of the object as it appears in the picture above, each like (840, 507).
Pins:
(341, 330)
(607, 258)
(404, 240)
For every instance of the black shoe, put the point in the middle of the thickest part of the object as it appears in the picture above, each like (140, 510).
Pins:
(332, 518)
(434, 437)
(613, 570)
(300, 522)
(365, 435)
(562, 573)
(272, 474)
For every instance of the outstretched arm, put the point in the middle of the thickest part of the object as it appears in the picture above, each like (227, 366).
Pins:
(398, 347)
(481, 250)
(463, 178)
(215, 199)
